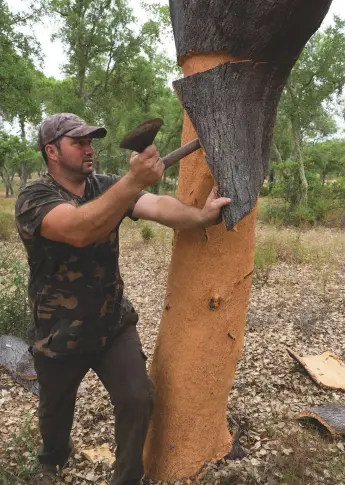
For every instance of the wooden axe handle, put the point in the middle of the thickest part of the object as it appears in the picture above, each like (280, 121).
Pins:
(181, 152)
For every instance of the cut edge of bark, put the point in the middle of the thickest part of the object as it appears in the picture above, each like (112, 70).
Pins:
(245, 95)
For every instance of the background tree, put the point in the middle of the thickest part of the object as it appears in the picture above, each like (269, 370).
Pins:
(19, 96)
(14, 153)
(316, 81)
(326, 158)
(115, 76)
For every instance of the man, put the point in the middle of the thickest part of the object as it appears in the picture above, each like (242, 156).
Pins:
(69, 223)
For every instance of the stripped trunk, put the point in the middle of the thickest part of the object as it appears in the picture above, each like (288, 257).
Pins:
(236, 56)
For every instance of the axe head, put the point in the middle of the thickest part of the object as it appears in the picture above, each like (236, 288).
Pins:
(142, 136)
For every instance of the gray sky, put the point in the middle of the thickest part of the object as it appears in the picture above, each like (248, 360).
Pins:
(54, 54)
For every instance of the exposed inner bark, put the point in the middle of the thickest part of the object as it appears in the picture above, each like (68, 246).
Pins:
(201, 334)
(234, 116)
(270, 30)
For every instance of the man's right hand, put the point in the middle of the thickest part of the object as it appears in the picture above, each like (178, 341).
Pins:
(146, 168)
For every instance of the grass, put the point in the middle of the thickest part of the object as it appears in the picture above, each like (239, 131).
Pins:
(7, 205)
(7, 222)
(133, 234)
(318, 247)
(21, 454)
(7, 226)
(303, 457)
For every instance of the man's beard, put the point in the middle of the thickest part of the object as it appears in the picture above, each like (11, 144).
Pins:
(77, 172)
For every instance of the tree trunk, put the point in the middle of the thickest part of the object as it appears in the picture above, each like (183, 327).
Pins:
(278, 159)
(276, 153)
(23, 167)
(7, 181)
(303, 196)
(97, 165)
(230, 105)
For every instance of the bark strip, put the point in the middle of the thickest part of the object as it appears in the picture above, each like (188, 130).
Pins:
(234, 115)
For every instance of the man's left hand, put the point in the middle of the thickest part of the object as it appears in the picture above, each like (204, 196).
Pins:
(210, 214)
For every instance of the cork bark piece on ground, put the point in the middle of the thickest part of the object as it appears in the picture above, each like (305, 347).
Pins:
(269, 31)
(99, 454)
(234, 115)
(326, 369)
(330, 416)
(18, 362)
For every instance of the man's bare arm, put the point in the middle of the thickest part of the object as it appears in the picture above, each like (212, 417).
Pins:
(173, 213)
(94, 220)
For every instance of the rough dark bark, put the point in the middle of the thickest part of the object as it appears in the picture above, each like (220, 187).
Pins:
(18, 362)
(233, 106)
(331, 416)
(234, 116)
(270, 30)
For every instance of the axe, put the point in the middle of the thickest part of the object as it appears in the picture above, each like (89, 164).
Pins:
(143, 135)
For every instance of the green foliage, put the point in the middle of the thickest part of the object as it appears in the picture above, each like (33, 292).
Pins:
(326, 206)
(308, 103)
(288, 182)
(147, 232)
(14, 306)
(18, 76)
(326, 158)
(14, 154)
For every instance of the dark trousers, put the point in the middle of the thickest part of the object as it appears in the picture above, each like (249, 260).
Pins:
(121, 368)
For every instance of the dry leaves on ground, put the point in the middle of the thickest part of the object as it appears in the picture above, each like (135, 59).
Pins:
(293, 307)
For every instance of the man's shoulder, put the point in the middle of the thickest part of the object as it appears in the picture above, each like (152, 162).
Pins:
(42, 182)
(40, 190)
(103, 180)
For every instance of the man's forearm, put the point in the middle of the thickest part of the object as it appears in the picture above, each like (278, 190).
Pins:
(173, 213)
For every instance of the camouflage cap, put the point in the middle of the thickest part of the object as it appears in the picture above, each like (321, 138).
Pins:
(66, 124)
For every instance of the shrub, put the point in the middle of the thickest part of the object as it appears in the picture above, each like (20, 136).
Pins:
(301, 215)
(147, 232)
(264, 191)
(14, 305)
(265, 255)
(321, 209)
